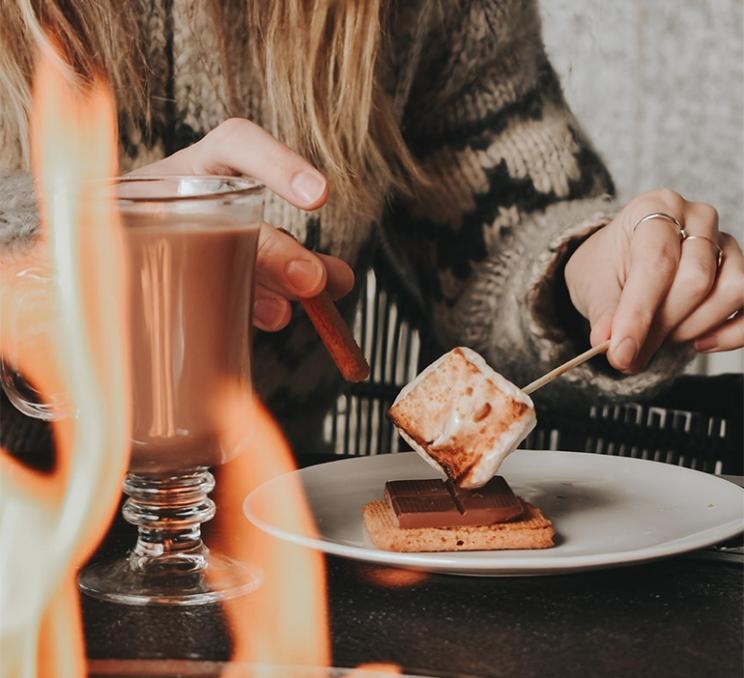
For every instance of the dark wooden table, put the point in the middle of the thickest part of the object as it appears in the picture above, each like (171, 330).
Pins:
(678, 617)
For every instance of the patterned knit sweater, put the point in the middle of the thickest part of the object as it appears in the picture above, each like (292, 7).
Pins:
(479, 263)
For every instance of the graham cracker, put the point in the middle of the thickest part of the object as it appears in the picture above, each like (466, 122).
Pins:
(532, 531)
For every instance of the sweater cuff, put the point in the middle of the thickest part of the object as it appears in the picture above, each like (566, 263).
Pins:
(19, 217)
(556, 330)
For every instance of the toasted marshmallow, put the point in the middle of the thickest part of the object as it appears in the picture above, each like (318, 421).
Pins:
(462, 417)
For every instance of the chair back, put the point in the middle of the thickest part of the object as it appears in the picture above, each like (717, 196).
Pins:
(696, 423)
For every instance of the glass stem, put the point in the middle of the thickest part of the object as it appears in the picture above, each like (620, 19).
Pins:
(169, 511)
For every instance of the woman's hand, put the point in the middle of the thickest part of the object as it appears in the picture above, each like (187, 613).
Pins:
(643, 286)
(285, 270)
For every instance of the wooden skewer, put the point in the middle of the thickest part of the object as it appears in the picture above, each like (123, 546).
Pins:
(558, 371)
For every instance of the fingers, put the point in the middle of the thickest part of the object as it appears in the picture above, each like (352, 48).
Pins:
(239, 146)
(727, 337)
(725, 299)
(654, 257)
(639, 284)
(593, 289)
(694, 278)
(286, 270)
(606, 296)
(245, 147)
(271, 311)
(286, 267)
(601, 329)
(340, 277)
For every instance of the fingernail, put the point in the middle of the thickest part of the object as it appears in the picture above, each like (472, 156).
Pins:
(706, 344)
(268, 312)
(303, 275)
(625, 353)
(308, 186)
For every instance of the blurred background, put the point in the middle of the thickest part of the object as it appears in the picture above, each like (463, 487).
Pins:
(659, 87)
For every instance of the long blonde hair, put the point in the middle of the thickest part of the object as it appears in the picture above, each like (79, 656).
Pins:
(320, 61)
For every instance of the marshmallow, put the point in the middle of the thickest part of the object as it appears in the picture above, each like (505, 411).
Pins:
(462, 417)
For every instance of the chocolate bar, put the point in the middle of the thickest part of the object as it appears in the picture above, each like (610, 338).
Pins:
(434, 503)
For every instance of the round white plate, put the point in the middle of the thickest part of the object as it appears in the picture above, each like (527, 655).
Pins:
(606, 511)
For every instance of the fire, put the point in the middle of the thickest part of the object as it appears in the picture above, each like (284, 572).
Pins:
(285, 622)
(391, 577)
(375, 670)
(49, 524)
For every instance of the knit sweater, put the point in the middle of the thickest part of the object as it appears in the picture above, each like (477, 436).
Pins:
(478, 261)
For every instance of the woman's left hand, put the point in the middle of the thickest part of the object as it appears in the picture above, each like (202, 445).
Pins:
(641, 284)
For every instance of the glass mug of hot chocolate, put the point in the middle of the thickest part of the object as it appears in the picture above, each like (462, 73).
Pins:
(191, 249)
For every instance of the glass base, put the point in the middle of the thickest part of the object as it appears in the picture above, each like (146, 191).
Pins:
(118, 582)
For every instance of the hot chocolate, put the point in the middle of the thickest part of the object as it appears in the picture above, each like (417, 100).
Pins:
(190, 314)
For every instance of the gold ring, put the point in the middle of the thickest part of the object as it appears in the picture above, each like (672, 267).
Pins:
(665, 217)
(719, 251)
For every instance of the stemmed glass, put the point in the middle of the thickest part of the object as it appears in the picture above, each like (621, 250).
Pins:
(191, 251)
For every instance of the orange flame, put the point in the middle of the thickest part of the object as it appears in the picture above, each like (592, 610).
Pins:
(285, 622)
(49, 524)
(391, 577)
(375, 670)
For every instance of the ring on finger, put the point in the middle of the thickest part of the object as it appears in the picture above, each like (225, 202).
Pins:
(664, 217)
(719, 251)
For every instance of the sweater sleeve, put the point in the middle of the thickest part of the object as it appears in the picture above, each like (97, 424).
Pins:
(18, 212)
(515, 188)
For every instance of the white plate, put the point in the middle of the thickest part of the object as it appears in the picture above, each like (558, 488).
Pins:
(606, 511)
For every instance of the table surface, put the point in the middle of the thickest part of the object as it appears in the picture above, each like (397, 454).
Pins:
(677, 617)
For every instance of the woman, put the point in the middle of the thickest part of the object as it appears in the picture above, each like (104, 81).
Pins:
(432, 134)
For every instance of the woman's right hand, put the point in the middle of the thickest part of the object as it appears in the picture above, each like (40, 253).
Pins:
(285, 270)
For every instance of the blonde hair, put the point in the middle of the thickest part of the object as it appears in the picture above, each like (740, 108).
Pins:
(320, 62)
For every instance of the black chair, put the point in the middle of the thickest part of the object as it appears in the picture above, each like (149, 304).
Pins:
(697, 422)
